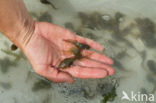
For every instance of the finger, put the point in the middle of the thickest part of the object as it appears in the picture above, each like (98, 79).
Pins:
(89, 42)
(84, 72)
(97, 57)
(56, 76)
(90, 63)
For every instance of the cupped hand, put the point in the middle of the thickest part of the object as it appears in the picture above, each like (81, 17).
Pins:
(48, 47)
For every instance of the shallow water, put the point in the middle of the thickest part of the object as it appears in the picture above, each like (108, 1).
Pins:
(126, 28)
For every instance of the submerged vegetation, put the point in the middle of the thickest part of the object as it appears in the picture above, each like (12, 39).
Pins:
(48, 3)
(91, 36)
(41, 84)
(151, 79)
(103, 22)
(96, 20)
(5, 85)
(108, 92)
(5, 64)
(109, 96)
(45, 17)
(118, 65)
(152, 66)
(69, 26)
(147, 29)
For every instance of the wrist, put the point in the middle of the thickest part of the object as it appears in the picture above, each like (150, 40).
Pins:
(21, 33)
(15, 22)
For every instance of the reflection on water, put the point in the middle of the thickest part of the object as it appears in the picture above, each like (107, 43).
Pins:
(129, 40)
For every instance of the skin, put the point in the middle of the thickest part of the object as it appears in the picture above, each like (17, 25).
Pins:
(45, 47)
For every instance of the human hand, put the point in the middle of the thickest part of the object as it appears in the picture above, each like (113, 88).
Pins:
(47, 48)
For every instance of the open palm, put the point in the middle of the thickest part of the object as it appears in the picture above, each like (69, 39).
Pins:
(48, 47)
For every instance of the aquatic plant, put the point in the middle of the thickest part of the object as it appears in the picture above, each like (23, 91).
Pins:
(152, 66)
(5, 64)
(48, 3)
(41, 84)
(147, 29)
(109, 96)
(46, 17)
(5, 85)
(69, 26)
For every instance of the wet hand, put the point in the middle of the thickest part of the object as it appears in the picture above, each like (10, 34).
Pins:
(48, 47)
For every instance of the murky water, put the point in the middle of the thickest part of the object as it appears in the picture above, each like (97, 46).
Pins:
(126, 28)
